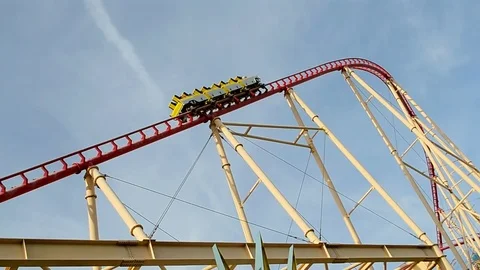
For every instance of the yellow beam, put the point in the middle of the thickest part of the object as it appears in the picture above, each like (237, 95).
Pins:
(270, 126)
(269, 139)
(43, 252)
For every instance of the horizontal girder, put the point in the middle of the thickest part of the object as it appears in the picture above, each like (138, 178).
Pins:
(46, 252)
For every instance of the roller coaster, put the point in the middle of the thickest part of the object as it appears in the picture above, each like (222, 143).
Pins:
(108, 150)
(202, 101)
(206, 105)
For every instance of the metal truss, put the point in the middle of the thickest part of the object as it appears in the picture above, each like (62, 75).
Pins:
(292, 98)
(449, 169)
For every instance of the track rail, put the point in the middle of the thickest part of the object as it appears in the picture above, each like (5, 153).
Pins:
(73, 163)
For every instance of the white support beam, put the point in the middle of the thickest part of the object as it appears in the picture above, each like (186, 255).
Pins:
(269, 139)
(361, 200)
(65, 253)
(270, 126)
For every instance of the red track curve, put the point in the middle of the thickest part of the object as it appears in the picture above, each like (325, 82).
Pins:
(160, 130)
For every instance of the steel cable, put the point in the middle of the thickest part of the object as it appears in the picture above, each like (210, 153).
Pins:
(179, 188)
(204, 207)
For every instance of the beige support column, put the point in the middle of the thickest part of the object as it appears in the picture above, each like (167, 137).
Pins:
(456, 152)
(437, 162)
(91, 198)
(413, 124)
(321, 166)
(465, 221)
(402, 166)
(136, 229)
(419, 233)
(432, 150)
(455, 237)
(437, 128)
(414, 129)
(309, 233)
(231, 184)
(456, 215)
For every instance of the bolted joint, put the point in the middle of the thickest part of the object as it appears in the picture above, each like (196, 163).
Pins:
(287, 91)
(89, 174)
(89, 181)
(309, 231)
(345, 73)
(90, 194)
(134, 227)
(96, 178)
(238, 145)
(86, 175)
(92, 167)
(212, 124)
(225, 165)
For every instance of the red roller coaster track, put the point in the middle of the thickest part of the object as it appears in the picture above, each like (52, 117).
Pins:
(172, 126)
(162, 130)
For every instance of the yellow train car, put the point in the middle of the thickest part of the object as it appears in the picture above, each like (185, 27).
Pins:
(199, 97)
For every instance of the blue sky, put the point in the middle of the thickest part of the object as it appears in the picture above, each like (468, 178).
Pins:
(76, 73)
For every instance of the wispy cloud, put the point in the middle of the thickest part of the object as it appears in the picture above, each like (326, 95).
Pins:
(127, 50)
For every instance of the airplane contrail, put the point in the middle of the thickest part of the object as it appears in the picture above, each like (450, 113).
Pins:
(104, 23)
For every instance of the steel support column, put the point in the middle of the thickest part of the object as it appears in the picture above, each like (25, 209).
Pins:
(321, 166)
(135, 228)
(415, 129)
(464, 158)
(402, 166)
(91, 198)
(406, 218)
(309, 232)
(231, 184)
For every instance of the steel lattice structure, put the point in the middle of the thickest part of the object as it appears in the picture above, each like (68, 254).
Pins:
(449, 171)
